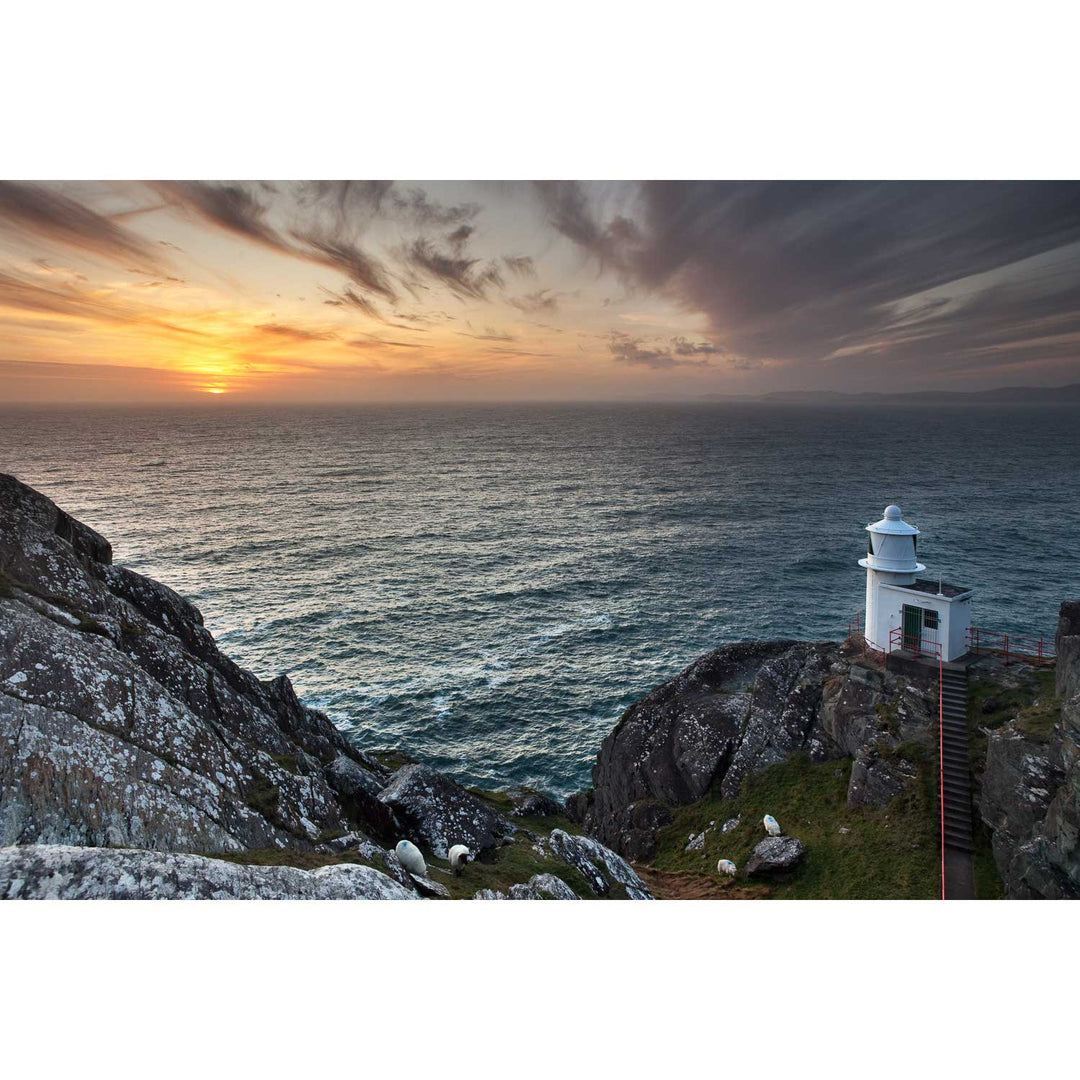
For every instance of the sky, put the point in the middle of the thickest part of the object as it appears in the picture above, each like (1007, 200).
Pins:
(355, 291)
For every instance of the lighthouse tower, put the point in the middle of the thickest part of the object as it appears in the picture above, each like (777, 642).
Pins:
(905, 611)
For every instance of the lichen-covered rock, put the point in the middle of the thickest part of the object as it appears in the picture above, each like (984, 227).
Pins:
(122, 724)
(549, 885)
(783, 709)
(442, 813)
(61, 872)
(489, 894)
(774, 855)
(1030, 795)
(877, 779)
(599, 865)
(523, 892)
(734, 711)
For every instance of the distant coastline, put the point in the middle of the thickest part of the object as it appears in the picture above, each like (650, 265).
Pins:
(1002, 395)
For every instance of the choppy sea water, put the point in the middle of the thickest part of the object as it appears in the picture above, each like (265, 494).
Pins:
(489, 587)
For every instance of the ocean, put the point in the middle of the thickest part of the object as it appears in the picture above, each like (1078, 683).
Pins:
(488, 587)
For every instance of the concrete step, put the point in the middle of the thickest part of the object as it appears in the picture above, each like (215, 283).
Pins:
(957, 838)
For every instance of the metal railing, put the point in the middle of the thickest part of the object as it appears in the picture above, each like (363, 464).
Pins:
(870, 649)
(916, 644)
(1031, 650)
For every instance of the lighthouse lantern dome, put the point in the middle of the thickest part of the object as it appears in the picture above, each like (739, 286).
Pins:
(891, 544)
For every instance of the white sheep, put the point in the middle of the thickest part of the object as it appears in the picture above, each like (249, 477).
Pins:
(772, 826)
(460, 856)
(408, 854)
(726, 866)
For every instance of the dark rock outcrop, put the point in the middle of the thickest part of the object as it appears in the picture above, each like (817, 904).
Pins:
(442, 813)
(737, 711)
(123, 726)
(358, 787)
(673, 744)
(775, 855)
(1030, 796)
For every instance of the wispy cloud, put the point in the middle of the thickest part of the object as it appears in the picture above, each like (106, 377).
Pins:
(488, 334)
(45, 215)
(541, 302)
(464, 277)
(294, 333)
(804, 271)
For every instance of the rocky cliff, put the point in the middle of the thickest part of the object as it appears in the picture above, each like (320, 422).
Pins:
(738, 711)
(137, 760)
(131, 749)
(1030, 785)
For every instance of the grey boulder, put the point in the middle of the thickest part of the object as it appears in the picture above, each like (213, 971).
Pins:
(774, 855)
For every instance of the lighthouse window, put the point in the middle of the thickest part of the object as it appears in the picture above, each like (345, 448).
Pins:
(869, 543)
(929, 620)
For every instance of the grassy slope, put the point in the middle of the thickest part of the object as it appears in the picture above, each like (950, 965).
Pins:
(510, 865)
(891, 853)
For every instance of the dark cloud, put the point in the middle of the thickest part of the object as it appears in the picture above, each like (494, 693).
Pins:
(632, 351)
(239, 210)
(43, 214)
(489, 334)
(808, 273)
(542, 302)
(349, 297)
(414, 207)
(337, 253)
(521, 265)
(371, 342)
(464, 277)
(294, 333)
(348, 200)
(569, 212)
(429, 317)
(460, 236)
(681, 347)
(232, 207)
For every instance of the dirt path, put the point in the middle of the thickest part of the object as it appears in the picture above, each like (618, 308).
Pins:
(686, 885)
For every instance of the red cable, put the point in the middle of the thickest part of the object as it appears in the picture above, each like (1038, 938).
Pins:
(941, 767)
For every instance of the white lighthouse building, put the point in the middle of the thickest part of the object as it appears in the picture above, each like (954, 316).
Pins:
(903, 610)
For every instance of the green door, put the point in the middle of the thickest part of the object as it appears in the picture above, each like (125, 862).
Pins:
(912, 628)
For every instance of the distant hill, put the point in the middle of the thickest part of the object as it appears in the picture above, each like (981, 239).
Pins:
(1002, 394)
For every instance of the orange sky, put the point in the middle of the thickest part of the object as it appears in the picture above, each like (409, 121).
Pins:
(357, 291)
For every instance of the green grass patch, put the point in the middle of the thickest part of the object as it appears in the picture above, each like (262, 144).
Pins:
(891, 853)
(512, 865)
(990, 704)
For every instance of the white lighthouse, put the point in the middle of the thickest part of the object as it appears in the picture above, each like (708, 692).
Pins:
(904, 611)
